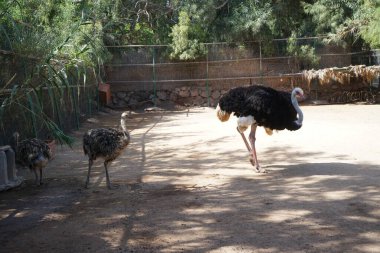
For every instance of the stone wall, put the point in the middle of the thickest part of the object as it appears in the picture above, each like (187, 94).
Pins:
(185, 95)
(198, 95)
(203, 95)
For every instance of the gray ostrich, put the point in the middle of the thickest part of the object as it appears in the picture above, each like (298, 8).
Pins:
(33, 154)
(107, 143)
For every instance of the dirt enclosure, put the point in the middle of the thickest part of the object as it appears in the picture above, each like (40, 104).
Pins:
(185, 185)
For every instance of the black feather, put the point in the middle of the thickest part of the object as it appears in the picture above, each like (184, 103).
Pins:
(270, 108)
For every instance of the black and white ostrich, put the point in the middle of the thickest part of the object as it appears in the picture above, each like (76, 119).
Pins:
(107, 143)
(33, 154)
(261, 106)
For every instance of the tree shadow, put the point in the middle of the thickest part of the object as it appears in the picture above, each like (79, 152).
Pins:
(318, 207)
(298, 206)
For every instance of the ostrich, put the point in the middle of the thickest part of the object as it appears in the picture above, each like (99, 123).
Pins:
(261, 106)
(34, 154)
(107, 143)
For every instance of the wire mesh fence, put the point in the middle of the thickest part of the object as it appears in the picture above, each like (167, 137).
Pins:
(29, 109)
(225, 65)
(148, 73)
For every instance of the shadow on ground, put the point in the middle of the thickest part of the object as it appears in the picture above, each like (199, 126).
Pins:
(177, 193)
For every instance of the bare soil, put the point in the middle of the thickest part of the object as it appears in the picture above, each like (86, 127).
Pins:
(185, 184)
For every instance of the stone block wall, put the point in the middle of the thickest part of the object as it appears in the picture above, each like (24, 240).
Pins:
(197, 95)
(185, 95)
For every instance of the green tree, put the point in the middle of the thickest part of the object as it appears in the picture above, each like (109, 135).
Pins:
(63, 40)
(186, 38)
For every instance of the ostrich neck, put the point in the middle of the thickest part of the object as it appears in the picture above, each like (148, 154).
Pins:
(123, 124)
(298, 110)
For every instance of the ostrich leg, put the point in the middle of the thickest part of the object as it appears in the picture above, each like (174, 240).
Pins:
(245, 140)
(40, 176)
(90, 162)
(107, 176)
(247, 145)
(252, 138)
(36, 176)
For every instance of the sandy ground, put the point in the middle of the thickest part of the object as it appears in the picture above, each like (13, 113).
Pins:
(185, 185)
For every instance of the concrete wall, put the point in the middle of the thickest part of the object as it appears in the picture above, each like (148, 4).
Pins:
(8, 177)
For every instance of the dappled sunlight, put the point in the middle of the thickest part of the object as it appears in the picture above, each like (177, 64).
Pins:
(370, 247)
(374, 236)
(54, 217)
(113, 236)
(339, 195)
(285, 215)
(362, 219)
(241, 248)
(21, 214)
(185, 184)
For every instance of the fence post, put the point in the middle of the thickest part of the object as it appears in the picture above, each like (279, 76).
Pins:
(261, 64)
(97, 95)
(207, 85)
(154, 76)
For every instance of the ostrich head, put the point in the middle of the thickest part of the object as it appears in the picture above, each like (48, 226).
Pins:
(222, 115)
(123, 120)
(297, 92)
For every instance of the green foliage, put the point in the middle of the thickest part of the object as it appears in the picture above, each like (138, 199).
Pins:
(328, 15)
(52, 39)
(251, 19)
(368, 16)
(185, 44)
(65, 38)
(305, 55)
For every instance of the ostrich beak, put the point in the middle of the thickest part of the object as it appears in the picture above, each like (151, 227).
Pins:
(301, 97)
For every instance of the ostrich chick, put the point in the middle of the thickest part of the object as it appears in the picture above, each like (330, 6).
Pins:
(107, 143)
(33, 154)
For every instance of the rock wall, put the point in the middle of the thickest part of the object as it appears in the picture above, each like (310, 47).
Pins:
(191, 96)
(199, 94)
(203, 96)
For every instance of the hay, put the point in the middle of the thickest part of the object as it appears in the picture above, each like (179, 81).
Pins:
(342, 75)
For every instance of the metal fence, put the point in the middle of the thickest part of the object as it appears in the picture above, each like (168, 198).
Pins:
(150, 68)
(66, 105)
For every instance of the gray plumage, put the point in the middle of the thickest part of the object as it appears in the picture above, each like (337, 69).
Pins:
(107, 143)
(33, 154)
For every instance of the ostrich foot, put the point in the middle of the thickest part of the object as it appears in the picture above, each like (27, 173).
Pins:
(252, 160)
(261, 170)
(113, 186)
(258, 167)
